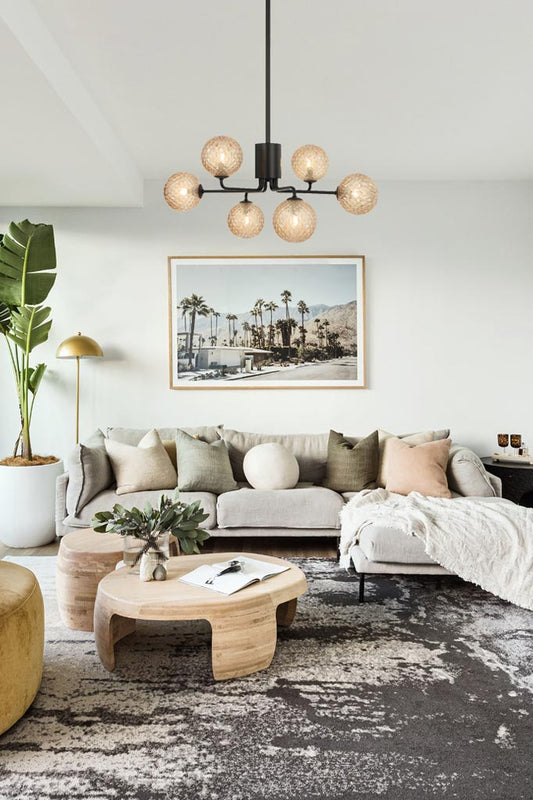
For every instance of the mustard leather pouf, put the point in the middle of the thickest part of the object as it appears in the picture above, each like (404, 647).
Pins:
(21, 641)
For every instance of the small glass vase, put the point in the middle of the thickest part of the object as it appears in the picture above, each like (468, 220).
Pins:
(133, 546)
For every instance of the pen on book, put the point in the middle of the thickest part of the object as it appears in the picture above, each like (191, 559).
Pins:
(234, 566)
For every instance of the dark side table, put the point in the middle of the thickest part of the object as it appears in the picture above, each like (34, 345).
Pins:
(517, 480)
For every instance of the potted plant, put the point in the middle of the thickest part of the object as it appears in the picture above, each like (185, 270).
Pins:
(150, 529)
(27, 481)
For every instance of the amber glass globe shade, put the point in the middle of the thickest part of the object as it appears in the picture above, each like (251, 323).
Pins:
(310, 163)
(181, 191)
(246, 220)
(357, 194)
(294, 220)
(222, 156)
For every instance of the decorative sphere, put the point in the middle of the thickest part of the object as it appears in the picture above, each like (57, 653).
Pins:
(271, 466)
(222, 156)
(310, 163)
(181, 191)
(294, 220)
(246, 220)
(357, 194)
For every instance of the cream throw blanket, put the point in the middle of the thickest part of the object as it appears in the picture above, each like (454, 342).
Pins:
(488, 541)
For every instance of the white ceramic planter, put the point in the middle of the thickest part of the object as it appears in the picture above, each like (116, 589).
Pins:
(27, 504)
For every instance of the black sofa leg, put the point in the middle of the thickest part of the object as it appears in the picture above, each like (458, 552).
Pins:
(361, 587)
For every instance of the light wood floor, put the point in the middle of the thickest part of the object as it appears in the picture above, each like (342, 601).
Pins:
(283, 548)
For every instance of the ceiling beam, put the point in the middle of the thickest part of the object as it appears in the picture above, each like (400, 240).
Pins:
(29, 29)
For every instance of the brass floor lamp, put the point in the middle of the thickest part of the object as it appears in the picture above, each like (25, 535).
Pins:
(79, 347)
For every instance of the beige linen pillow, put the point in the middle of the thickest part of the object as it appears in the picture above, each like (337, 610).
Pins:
(418, 469)
(142, 468)
(385, 438)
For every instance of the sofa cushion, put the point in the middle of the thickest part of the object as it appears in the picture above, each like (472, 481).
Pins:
(142, 467)
(418, 469)
(380, 543)
(89, 473)
(467, 475)
(271, 466)
(107, 499)
(310, 450)
(302, 507)
(203, 466)
(385, 438)
(207, 433)
(351, 467)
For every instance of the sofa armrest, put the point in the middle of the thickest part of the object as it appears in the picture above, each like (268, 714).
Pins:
(61, 503)
(496, 483)
(467, 475)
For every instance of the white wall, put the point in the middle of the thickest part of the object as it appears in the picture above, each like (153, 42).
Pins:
(449, 323)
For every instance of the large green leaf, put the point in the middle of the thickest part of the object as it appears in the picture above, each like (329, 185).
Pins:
(27, 261)
(35, 376)
(5, 318)
(30, 327)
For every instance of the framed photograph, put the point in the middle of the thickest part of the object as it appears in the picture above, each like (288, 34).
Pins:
(268, 322)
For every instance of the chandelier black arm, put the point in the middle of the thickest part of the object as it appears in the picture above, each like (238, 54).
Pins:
(318, 191)
(261, 187)
(309, 190)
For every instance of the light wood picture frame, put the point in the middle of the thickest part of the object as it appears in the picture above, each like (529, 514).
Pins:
(267, 322)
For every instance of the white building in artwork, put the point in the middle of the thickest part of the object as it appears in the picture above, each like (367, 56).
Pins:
(232, 358)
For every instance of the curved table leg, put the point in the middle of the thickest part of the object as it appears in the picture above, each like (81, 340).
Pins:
(286, 611)
(109, 628)
(243, 643)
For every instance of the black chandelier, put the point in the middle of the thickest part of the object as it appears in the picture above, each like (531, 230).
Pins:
(294, 220)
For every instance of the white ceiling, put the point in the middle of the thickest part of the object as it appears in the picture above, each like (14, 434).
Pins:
(99, 95)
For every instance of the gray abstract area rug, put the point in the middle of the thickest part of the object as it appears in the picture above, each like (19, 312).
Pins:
(423, 692)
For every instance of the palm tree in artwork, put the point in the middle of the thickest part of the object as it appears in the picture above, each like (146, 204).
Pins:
(271, 306)
(216, 315)
(259, 304)
(185, 309)
(231, 328)
(326, 325)
(286, 296)
(253, 313)
(278, 326)
(211, 312)
(318, 323)
(229, 318)
(320, 335)
(197, 308)
(335, 343)
(246, 328)
(303, 308)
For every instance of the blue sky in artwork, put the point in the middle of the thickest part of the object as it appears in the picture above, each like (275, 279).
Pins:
(236, 287)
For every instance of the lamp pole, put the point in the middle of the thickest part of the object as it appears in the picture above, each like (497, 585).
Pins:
(79, 347)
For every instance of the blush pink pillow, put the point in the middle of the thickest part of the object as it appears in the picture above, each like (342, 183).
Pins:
(418, 469)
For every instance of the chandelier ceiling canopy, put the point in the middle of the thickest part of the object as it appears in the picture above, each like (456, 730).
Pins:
(294, 219)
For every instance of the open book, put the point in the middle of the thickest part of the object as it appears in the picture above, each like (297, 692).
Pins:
(250, 571)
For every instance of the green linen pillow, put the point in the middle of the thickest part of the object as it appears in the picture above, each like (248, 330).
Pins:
(352, 467)
(203, 466)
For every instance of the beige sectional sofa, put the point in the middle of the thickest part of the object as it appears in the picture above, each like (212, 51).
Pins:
(307, 510)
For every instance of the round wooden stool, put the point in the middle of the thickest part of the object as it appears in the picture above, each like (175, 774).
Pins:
(85, 557)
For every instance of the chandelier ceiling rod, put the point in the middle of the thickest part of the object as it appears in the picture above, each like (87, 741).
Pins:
(267, 72)
(294, 219)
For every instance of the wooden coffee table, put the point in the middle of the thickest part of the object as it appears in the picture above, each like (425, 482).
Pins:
(244, 624)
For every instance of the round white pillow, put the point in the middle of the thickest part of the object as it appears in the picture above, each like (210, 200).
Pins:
(271, 466)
